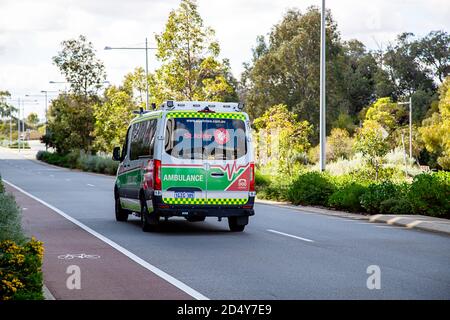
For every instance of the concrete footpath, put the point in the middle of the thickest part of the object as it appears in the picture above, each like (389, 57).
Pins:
(408, 221)
(75, 258)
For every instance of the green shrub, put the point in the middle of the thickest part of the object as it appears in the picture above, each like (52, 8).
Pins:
(274, 191)
(376, 193)
(72, 158)
(20, 261)
(22, 144)
(20, 270)
(429, 194)
(111, 167)
(80, 160)
(348, 197)
(396, 206)
(261, 180)
(40, 154)
(10, 228)
(311, 188)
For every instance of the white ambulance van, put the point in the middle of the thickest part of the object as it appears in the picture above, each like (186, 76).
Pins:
(189, 159)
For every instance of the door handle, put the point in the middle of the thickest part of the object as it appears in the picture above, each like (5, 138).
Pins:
(217, 174)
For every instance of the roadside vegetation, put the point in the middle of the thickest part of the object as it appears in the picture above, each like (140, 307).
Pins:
(80, 160)
(369, 166)
(20, 257)
(427, 194)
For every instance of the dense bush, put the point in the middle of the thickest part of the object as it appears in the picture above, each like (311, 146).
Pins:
(348, 197)
(377, 193)
(261, 180)
(429, 194)
(10, 228)
(400, 205)
(20, 260)
(22, 144)
(274, 191)
(20, 270)
(80, 160)
(311, 188)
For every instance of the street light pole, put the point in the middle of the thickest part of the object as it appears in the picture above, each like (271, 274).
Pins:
(10, 124)
(18, 125)
(410, 127)
(409, 103)
(46, 120)
(322, 120)
(146, 48)
(146, 73)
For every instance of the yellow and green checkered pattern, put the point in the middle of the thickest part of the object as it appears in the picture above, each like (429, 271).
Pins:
(184, 200)
(183, 114)
(227, 201)
(216, 201)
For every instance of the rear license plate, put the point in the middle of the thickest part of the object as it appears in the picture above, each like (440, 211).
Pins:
(184, 194)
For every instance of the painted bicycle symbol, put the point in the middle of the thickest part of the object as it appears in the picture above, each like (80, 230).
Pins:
(70, 256)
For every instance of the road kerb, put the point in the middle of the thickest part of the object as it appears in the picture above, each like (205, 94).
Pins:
(418, 222)
(47, 294)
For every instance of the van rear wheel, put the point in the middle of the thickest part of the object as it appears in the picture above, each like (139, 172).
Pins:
(237, 224)
(149, 222)
(121, 213)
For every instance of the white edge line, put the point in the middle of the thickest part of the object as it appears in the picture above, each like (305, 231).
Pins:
(290, 235)
(177, 283)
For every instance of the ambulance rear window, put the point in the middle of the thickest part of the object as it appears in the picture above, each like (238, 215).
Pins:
(206, 139)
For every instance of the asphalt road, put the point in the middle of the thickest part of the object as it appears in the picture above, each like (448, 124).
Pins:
(283, 253)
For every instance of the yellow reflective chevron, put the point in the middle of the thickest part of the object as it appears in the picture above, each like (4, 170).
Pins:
(213, 115)
(214, 201)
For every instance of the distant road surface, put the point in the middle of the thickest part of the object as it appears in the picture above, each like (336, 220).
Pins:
(282, 254)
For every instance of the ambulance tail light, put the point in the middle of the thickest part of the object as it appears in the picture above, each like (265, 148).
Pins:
(252, 177)
(148, 175)
(157, 174)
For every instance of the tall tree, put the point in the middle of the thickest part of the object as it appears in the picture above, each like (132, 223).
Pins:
(5, 108)
(33, 119)
(371, 142)
(404, 69)
(190, 69)
(135, 86)
(285, 137)
(112, 117)
(434, 51)
(436, 129)
(286, 70)
(357, 83)
(71, 123)
(79, 65)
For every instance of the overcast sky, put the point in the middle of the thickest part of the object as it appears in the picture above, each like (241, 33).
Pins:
(31, 31)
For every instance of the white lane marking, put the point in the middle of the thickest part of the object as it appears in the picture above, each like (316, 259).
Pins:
(177, 283)
(67, 179)
(52, 176)
(290, 235)
(90, 185)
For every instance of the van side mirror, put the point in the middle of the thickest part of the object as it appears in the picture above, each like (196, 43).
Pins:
(116, 154)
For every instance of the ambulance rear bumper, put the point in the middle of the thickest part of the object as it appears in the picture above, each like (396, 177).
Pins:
(168, 210)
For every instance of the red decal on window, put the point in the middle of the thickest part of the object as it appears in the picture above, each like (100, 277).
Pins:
(221, 136)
